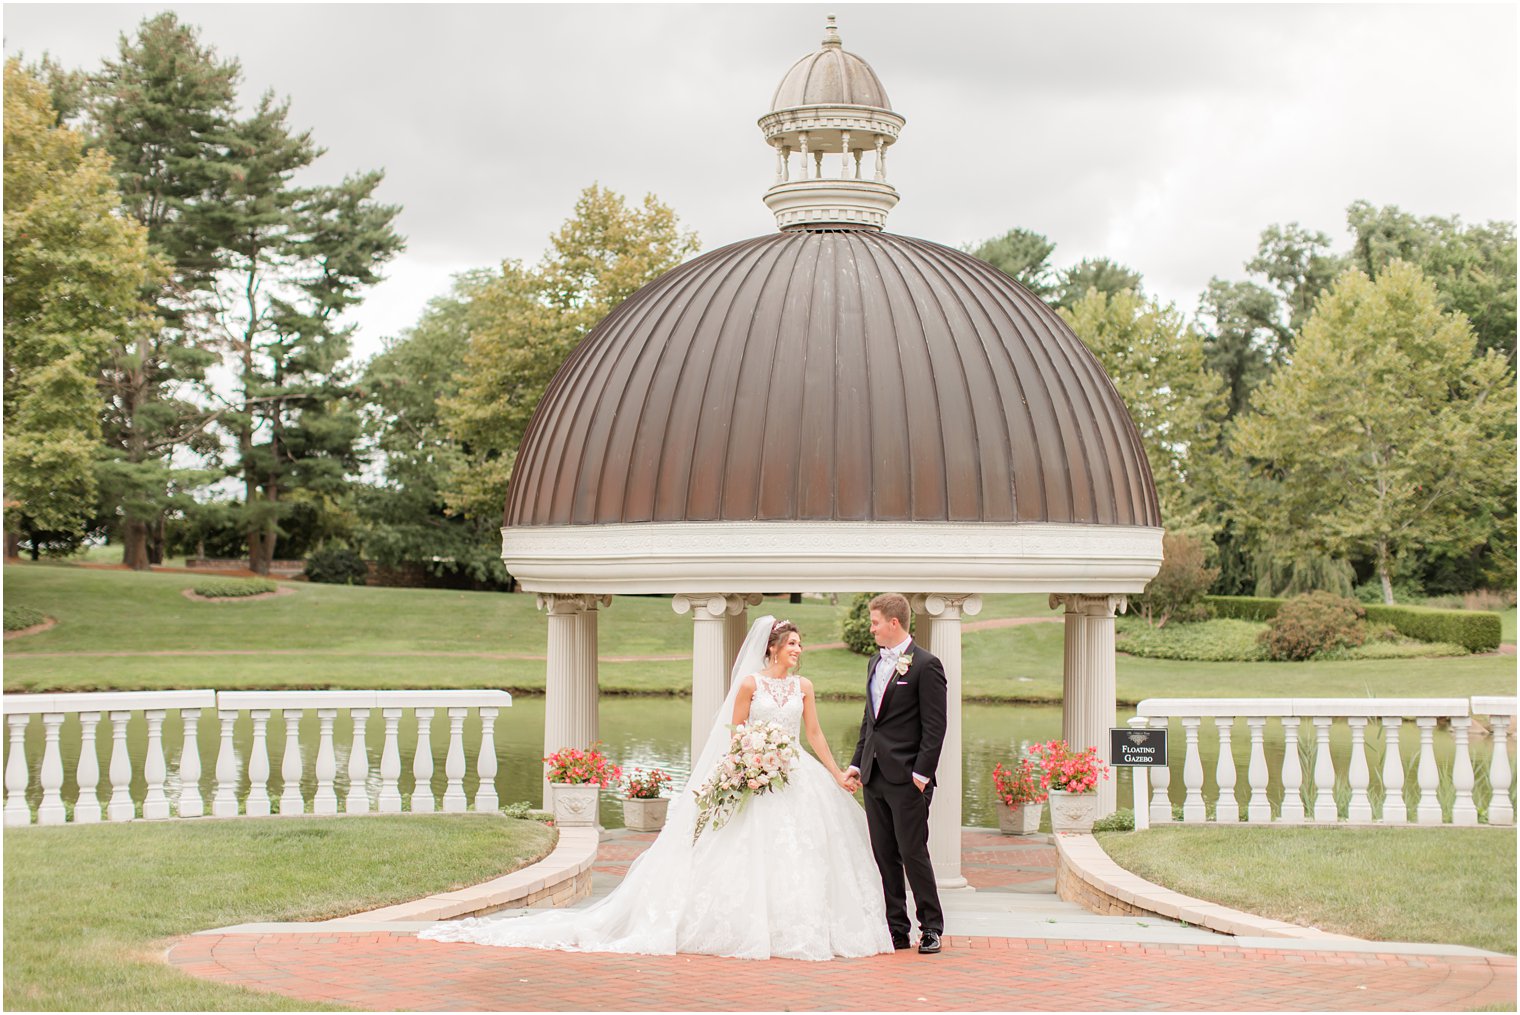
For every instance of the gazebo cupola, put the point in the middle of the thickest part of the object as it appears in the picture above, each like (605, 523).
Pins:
(831, 112)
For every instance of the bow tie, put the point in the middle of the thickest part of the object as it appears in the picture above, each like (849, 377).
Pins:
(891, 655)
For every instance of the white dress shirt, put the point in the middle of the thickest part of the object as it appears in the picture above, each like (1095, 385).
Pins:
(885, 672)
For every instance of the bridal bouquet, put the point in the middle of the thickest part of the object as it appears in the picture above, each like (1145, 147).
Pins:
(759, 759)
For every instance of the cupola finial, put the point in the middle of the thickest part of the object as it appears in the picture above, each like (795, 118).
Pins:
(831, 32)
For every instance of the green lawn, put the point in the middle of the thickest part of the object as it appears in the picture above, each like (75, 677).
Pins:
(89, 910)
(338, 636)
(1443, 885)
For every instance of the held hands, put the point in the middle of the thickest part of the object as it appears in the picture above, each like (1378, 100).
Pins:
(849, 780)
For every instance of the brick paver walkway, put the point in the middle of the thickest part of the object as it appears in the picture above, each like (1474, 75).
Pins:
(394, 970)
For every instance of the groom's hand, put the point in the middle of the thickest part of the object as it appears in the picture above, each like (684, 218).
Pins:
(920, 781)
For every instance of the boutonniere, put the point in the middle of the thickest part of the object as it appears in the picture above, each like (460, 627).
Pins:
(904, 663)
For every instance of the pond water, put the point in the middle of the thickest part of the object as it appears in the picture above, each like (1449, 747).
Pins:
(649, 732)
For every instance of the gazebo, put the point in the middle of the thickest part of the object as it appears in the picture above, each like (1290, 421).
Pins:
(832, 408)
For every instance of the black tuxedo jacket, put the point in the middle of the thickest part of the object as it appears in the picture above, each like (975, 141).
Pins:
(907, 734)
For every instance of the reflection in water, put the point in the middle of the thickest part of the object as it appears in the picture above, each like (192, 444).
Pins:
(649, 733)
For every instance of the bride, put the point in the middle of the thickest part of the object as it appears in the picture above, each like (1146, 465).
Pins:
(790, 876)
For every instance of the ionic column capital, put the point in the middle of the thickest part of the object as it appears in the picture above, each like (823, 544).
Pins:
(1105, 605)
(714, 605)
(560, 604)
(946, 605)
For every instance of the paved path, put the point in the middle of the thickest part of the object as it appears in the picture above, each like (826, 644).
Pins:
(1010, 945)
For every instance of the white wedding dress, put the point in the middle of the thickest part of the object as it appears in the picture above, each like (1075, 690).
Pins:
(790, 876)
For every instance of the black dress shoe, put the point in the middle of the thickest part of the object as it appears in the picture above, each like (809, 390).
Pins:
(901, 943)
(929, 943)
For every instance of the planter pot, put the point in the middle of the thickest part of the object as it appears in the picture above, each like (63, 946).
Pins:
(1020, 819)
(574, 804)
(1072, 812)
(645, 815)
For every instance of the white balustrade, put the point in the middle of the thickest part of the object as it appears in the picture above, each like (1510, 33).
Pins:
(159, 800)
(1327, 755)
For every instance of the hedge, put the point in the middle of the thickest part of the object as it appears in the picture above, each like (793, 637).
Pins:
(1474, 630)
(233, 588)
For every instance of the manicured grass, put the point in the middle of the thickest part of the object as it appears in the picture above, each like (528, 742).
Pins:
(1507, 618)
(89, 910)
(343, 636)
(1443, 885)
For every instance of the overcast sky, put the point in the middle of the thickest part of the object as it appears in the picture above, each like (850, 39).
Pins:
(1165, 137)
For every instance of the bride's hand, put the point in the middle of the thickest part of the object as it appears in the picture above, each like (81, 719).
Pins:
(846, 782)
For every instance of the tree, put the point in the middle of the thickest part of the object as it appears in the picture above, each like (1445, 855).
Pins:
(74, 271)
(405, 518)
(1157, 365)
(1243, 339)
(1472, 267)
(525, 322)
(1179, 586)
(298, 258)
(165, 112)
(1108, 277)
(1299, 265)
(1388, 431)
(1024, 256)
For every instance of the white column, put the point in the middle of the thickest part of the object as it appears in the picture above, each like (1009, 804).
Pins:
(291, 801)
(357, 799)
(17, 773)
(390, 763)
(50, 811)
(1360, 807)
(1226, 808)
(735, 628)
(224, 802)
(708, 674)
(923, 624)
(1092, 706)
(190, 804)
(1073, 635)
(1292, 773)
(453, 765)
(1192, 773)
(257, 804)
(423, 801)
(1428, 810)
(564, 723)
(1500, 810)
(120, 807)
(1394, 811)
(1463, 810)
(1140, 782)
(325, 799)
(485, 765)
(1259, 809)
(945, 612)
(87, 807)
(1161, 781)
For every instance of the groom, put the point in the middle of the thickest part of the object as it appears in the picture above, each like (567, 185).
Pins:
(900, 739)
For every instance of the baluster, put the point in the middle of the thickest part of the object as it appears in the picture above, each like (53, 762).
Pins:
(858, 153)
(1161, 782)
(1260, 808)
(802, 147)
(485, 764)
(120, 808)
(786, 163)
(1500, 810)
(258, 765)
(1395, 812)
(453, 766)
(422, 764)
(357, 800)
(780, 166)
(1463, 810)
(390, 763)
(1224, 771)
(1360, 807)
(190, 803)
(87, 807)
(1292, 774)
(881, 172)
(325, 799)
(291, 801)
(1192, 773)
(1428, 811)
(17, 773)
(224, 803)
(844, 157)
(1324, 771)
(50, 811)
(156, 803)
(818, 164)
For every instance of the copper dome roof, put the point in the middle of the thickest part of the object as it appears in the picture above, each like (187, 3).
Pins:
(841, 375)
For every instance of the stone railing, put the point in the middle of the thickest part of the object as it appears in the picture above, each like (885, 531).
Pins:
(1305, 776)
(232, 767)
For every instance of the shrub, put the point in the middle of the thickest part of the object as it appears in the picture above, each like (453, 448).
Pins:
(857, 625)
(1406, 592)
(1259, 608)
(1402, 649)
(1214, 641)
(1473, 630)
(1312, 623)
(526, 811)
(1178, 588)
(1122, 820)
(336, 566)
(233, 588)
(19, 618)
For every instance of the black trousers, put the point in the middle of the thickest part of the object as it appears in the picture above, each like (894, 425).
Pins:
(897, 815)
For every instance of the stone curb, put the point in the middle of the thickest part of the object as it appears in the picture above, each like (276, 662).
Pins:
(555, 875)
(1085, 859)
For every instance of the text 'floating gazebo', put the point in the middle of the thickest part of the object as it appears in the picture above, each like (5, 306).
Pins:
(832, 408)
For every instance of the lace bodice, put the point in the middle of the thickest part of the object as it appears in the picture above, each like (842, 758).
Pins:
(778, 702)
